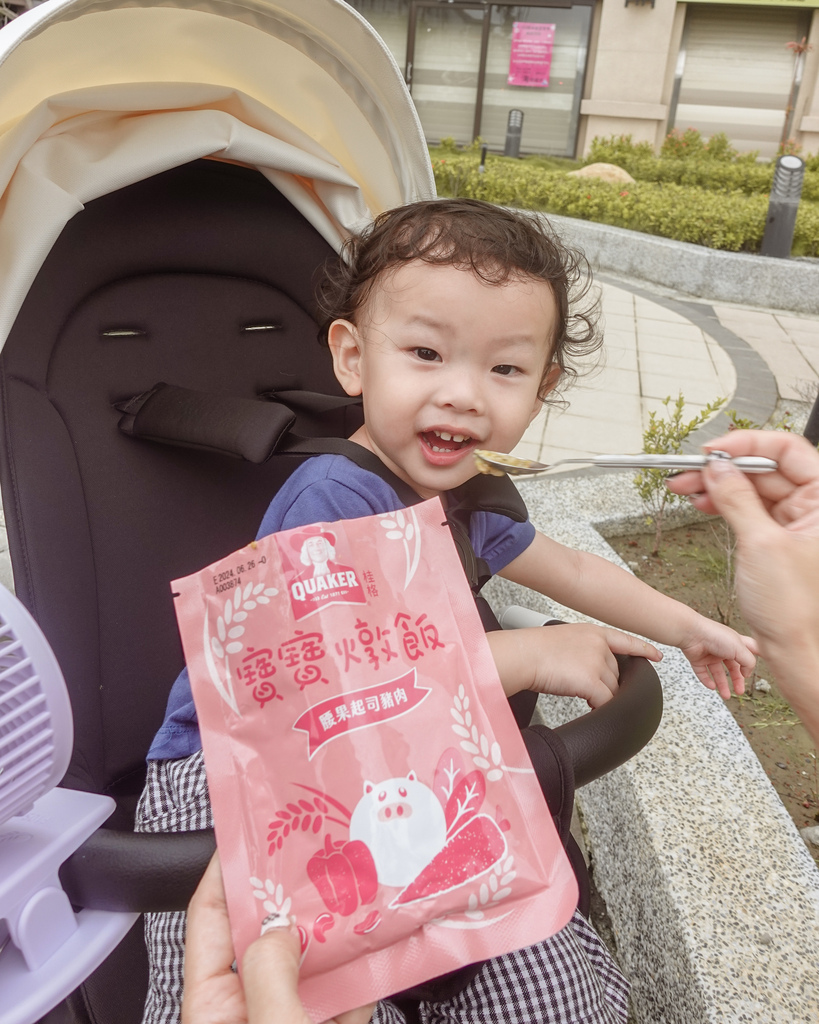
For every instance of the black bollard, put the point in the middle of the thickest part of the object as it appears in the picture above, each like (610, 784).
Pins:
(812, 426)
(786, 192)
(482, 164)
(514, 130)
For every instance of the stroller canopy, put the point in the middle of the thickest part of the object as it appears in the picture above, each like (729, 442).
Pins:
(98, 94)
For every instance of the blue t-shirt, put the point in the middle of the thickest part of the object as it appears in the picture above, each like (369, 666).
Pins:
(322, 490)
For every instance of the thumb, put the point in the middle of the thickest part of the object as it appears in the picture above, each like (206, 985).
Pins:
(734, 497)
(270, 974)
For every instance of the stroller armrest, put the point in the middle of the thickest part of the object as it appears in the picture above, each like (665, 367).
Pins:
(605, 738)
(137, 871)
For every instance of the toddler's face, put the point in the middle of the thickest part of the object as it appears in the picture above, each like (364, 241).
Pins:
(446, 363)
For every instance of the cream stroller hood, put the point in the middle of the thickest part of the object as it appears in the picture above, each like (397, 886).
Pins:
(98, 94)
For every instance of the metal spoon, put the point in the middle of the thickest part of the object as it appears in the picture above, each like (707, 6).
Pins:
(498, 464)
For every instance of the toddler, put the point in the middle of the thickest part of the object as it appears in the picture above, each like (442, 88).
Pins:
(451, 320)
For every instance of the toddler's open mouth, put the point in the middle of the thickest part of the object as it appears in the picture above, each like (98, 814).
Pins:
(442, 442)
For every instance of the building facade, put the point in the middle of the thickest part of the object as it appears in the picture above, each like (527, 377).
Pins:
(582, 68)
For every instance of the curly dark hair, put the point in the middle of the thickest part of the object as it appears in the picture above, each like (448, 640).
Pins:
(494, 243)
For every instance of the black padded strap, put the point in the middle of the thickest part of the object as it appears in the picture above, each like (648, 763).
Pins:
(240, 427)
(256, 429)
(490, 494)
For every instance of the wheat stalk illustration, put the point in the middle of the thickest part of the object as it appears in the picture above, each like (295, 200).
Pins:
(229, 633)
(403, 525)
(496, 888)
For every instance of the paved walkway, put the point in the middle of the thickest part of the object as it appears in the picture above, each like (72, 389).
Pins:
(658, 345)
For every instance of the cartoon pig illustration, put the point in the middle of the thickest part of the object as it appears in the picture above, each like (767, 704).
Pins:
(402, 823)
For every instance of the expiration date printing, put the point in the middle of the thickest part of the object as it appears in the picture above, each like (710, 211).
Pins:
(230, 578)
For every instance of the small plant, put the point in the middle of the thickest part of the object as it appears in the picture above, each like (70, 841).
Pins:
(666, 435)
(785, 422)
(726, 579)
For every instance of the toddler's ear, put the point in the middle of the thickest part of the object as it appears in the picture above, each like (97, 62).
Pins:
(345, 347)
(549, 384)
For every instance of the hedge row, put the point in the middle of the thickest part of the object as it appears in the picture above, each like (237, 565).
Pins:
(731, 220)
(686, 160)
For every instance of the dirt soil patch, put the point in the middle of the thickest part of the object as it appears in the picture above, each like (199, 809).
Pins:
(693, 567)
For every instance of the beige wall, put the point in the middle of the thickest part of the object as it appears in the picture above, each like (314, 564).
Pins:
(807, 107)
(629, 85)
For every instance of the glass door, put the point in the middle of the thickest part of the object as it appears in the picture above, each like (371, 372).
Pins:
(444, 60)
(535, 62)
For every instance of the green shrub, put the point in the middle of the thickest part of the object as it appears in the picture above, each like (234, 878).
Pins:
(680, 145)
(635, 157)
(721, 217)
(806, 235)
(683, 145)
(685, 159)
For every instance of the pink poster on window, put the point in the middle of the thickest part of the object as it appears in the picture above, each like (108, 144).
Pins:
(531, 58)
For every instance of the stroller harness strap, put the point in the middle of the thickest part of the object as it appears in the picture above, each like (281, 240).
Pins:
(255, 430)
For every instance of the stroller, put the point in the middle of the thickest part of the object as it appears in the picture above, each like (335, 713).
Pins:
(174, 174)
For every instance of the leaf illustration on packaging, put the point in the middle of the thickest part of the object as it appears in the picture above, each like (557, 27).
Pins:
(450, 768)
(466, 801)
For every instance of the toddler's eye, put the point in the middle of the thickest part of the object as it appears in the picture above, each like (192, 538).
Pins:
(427, 354)
(505, 370)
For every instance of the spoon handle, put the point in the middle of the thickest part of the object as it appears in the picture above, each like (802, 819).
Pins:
(745, 463)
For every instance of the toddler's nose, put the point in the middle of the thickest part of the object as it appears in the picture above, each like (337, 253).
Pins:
(462, 392)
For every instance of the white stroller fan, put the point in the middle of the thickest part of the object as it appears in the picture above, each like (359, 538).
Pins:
(47, 949)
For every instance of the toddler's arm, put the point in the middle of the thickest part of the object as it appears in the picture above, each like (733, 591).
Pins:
(569, 660)
(604, 591)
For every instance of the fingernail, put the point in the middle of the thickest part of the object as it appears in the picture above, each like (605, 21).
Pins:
(273, 922)
(722, 466)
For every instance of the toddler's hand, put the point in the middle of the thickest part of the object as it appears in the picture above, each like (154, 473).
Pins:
(717, 653)
(569, 660)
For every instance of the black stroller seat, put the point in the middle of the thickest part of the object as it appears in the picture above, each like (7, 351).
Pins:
(136, 290)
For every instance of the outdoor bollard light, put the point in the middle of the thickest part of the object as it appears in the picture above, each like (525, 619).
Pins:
(812, 426)
(482, 164)
(782, 208)
(514, 130)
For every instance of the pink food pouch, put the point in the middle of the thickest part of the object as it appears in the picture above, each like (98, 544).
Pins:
(366, 773)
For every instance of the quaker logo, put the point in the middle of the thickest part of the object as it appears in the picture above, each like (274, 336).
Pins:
(323, 580)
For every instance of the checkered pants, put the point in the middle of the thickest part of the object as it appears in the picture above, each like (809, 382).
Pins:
(570, 978)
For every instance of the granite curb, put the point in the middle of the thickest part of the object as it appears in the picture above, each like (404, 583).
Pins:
(713, 896)
(738, 277)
